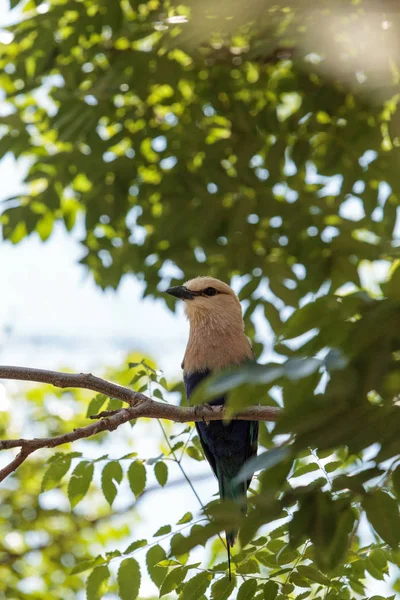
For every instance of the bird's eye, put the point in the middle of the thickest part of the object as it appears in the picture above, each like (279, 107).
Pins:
(210, 291)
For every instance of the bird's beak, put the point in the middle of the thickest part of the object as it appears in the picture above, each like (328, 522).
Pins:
(181, 292)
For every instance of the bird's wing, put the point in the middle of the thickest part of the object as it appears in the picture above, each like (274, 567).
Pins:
(247, 428)
(253, 443)
(208, 454)
(191, 380)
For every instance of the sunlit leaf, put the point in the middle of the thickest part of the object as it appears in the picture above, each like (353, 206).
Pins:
(96, 583)
(137, 477)
(196, 586)
(383, 513)
(85, 565)
(128, 579)
(270, 590)
(135, 545)
(95, 405)
(266, 460)
(173, 580)
(56, 472)
(247, 590)
(154, 556)
(111, 472)
(161, 472)
(164, 530)
(222, 588)
(79, 482)
(187, 517)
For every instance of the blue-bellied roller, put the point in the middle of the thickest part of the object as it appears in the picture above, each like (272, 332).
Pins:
(217, 341)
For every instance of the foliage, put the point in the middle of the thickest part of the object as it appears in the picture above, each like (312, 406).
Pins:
(312, 530)
(277, 131)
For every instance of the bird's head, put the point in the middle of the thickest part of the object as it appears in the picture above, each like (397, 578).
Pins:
(207, 298)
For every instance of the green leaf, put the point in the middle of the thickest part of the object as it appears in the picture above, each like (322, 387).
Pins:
(198, 536)
(272, 314)
(56, 472)
(154, 556)
(85, 565)
(128, 579)
(357, 586)
(164, 530)
(223, 588)
(383, 514)
(264, 461)
(251, 373)
(378, 558)
(354, 482)
(313, 574)
(286, 555)
(196, 587)
(374, 571)
(396, 481)
(306, 595)
(158, 394)
(161, 473)
(176, 541)
(187, 517)
(249, 288)
(392, 287)
(79, 483)
(270, 590)
(194, 453)
(299, 581)
(111, 472)
(96, 583)
(305, 469)
(333, 466)
(95, 405)
(250, 565)
(173, 580)
(266, 558)
(298, 368)
(114, 404)
(168, 563)
(247, 590)
(135, 545)
(313, 314)
(137, 477)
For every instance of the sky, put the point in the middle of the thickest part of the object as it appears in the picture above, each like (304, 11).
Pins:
(49, 300)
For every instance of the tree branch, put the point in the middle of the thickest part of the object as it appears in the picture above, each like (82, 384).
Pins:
(139, 406)
(72, 380)
(143, 405)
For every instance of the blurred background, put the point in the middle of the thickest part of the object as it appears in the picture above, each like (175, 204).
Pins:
(144, 143)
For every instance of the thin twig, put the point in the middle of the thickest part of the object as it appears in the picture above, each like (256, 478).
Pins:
(31, 445)
(321, 467)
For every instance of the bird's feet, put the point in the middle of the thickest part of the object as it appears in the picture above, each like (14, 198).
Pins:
(198, 411)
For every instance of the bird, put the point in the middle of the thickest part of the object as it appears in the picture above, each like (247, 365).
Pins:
(217, 341)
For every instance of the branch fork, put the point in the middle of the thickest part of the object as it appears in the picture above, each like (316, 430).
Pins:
(139, 405)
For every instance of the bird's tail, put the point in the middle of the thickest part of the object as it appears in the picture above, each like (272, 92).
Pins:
(230, 490)
(229, 543)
